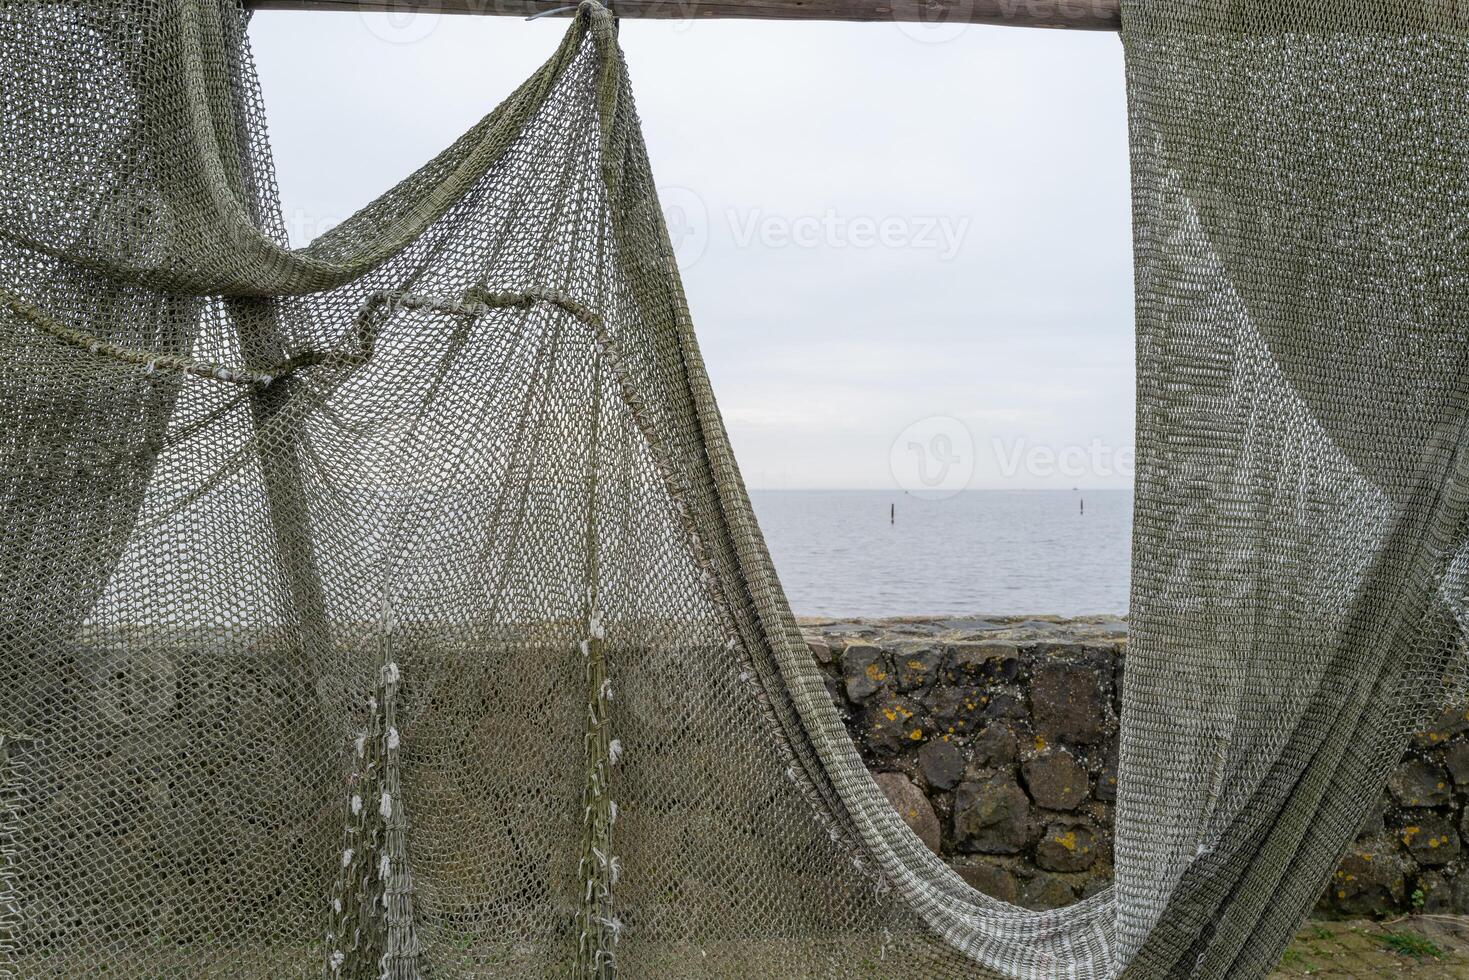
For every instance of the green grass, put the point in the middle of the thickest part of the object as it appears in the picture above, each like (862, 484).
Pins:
(1410, 944)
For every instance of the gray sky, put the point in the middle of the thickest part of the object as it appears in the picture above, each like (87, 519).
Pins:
(907, 249)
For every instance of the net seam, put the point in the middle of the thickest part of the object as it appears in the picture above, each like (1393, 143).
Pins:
(364, 332)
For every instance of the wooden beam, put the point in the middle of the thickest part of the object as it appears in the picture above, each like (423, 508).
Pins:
(1091, 15)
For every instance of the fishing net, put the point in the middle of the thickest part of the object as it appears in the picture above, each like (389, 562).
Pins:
(393, 606)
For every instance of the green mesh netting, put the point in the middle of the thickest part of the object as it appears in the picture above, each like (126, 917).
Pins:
(393, 606)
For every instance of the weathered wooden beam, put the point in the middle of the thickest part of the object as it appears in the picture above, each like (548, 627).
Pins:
(1092, 15)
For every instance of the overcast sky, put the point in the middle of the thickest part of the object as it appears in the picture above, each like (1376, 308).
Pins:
(906, 249)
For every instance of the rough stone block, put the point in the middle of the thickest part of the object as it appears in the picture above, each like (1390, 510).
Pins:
(1056, 781)
(913, 806)
(1456, 760)
(1435, 894)
(893, 724)
(1046, 891)
(994, 880)
(957, 710)
(993, 748)
(865, 670)
(1005, 703)
(1070, 846)
(1067, 698)
(942, 763)
(1418, 783)
(991, 816)
(984, 662)
(1450, 722)
(1461, 893)
(1369, 879)
(918, 668)
(1375, 822)
(1431, 839)
(969, 624)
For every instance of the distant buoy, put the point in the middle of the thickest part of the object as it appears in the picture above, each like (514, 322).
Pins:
(892, 513)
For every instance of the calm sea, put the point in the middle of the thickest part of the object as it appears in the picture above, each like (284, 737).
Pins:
(981, 551)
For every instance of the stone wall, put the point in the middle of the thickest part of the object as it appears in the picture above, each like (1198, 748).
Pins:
(996, 738)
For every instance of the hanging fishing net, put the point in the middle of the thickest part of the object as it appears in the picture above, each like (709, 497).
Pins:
(392, 607)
